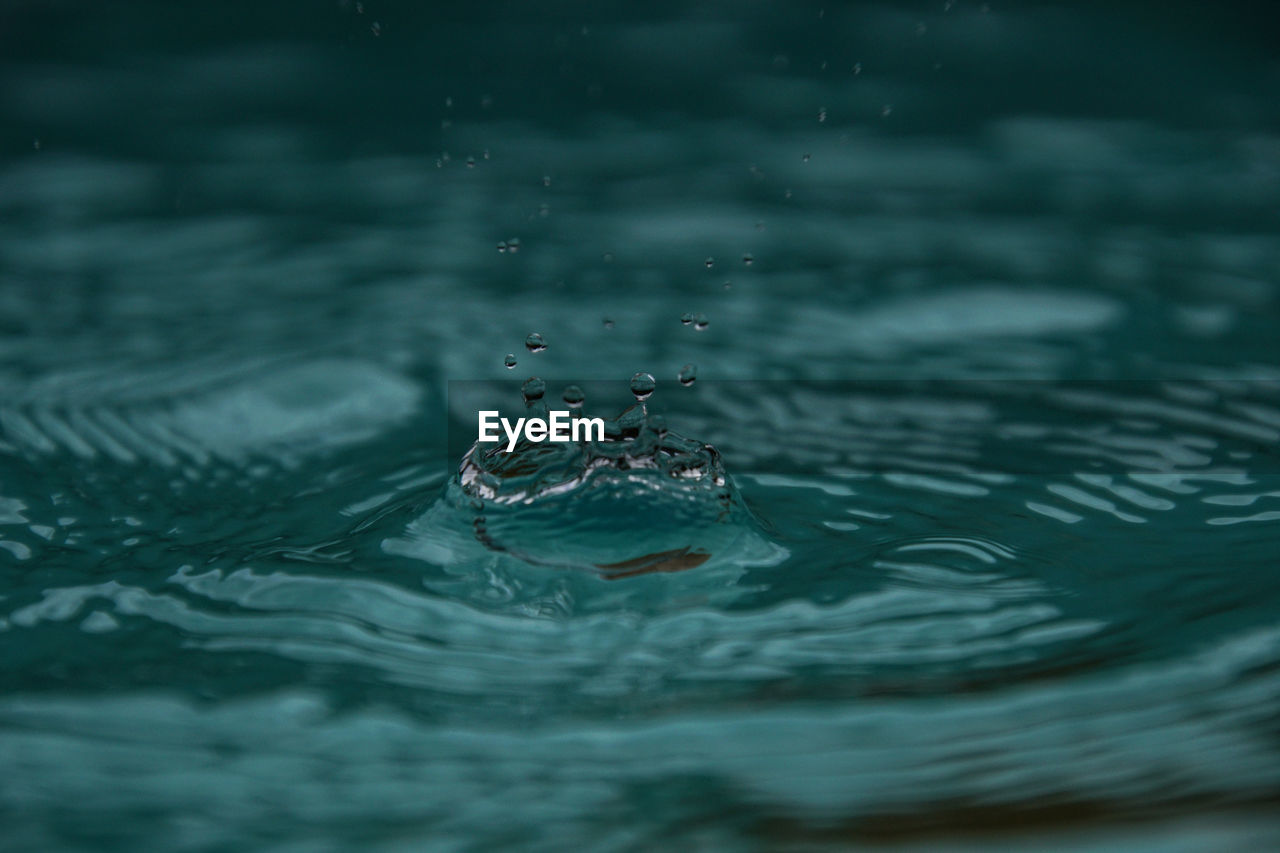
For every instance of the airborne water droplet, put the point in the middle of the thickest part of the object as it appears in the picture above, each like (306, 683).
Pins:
(535, 343)
(747, 259)
(510, 360)
(688, 374)
(574, 397)
(700, 322)
(687, 318)
(533, 389)
(711, 262)
(608, 322)
(642, 385)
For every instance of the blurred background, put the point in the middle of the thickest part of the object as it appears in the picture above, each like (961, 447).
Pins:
(982, 300)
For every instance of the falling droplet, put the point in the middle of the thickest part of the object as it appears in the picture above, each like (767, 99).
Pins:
(805, 158)
(608, 322)
(700, 322)
(687, 375)
(502, 246)
(728, 285)
(471, 162)
(886, 110)
(711, 262)
(748, 259)
(574, 397)
(510, 360)
(687, 318)
(535, 343)
(546, 180)
(513, 245)
(642, 385)
(822, 113)
(376, 28)
(533, 389)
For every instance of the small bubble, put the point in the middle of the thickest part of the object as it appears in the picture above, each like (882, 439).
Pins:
(608, 257)
(510, 360)
(546, 180)
(805, 158)
(544, 210)
(574, 397)
(608, 322)
(687, 375)
(728, 285)
(886, 111)
(687, 318)
(448, 103)
(533, 389)
(710, 262)
(700, 322)
(642, 385)
(787, 194)
(535, 343)
(748, 259)
(485, 154)
(35, 143)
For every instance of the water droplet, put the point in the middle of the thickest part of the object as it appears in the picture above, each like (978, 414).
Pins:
(700, 322)
(711, 262)
(533, 389)
(502, 245)
(510, 360)
(642, 385)
(546, 180)
(687, 375)
(513, 245)
(687, 318)
(822, 113)
(376, 28)
(728, 285)
(574, 397)
(886, 110)
(608, 322)
(471, 162)
(857, 68)
(35, 143)
(748, 259)
(608, 257)
(805, 158)
(535, 343)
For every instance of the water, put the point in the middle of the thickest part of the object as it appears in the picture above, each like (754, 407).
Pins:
(977, 548)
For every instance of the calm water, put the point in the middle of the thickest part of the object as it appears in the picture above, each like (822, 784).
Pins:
(991, 298)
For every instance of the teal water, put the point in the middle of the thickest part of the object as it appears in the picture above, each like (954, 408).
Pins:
(985, 554)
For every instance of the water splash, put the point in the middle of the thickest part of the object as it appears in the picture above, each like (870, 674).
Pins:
(643, 500)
